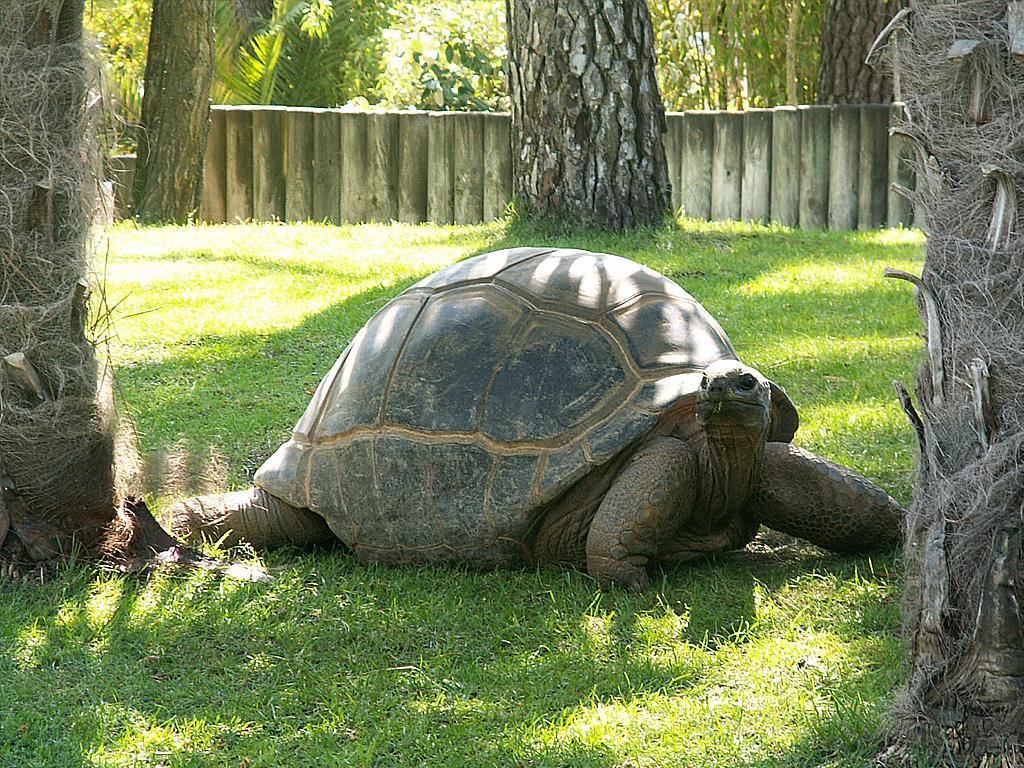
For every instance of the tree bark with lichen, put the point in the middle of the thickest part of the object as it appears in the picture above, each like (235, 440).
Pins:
(848, 30)
(587, 115)
(962, 76)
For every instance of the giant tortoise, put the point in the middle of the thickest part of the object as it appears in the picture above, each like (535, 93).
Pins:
(535, 405)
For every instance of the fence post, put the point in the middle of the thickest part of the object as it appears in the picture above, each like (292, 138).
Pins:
(873, 189)
(814, 170)
(901, 171)
(756, 197)
(727, 166)
(121, 171)
(298, 192)
(238, 155)
(268, 164)
(844, 162)
(673, 156)
(469, 159)
(698, 144)
(785, 206)
(325, 200)
(213, 200)
(382, 166)
(412, 167)
(497, 164)
(352, 128)
(440, 176)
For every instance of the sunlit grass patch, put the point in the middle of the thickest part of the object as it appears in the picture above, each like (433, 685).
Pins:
(779, 656)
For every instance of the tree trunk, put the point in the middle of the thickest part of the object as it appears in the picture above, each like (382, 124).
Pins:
(965, 109)
(56, 417)
(175, 110)
(587, 115)
(849, 29)
(60, 492)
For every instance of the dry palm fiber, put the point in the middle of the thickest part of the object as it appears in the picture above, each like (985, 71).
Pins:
(56, 435)
(964, 95)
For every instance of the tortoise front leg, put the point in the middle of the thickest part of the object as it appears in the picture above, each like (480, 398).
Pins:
(644, 506)
(823, 502)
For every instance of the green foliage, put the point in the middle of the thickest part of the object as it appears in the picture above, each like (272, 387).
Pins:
(121, 31)
(733, 55)
(445, 57)
(309, 53)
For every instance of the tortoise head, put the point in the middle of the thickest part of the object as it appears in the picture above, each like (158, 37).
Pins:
(734, 399)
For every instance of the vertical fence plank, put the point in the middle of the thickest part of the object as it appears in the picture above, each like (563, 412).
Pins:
(497, 164)
(268, 164)
(238, 156)
(756, 196)
(121, 173)
(440, 176)
(901, 171)
(468, 155)
(873, 188)
(814, 171)
(698, 144)
(352, 128)
(382, 166)
(844, 166)
(673, 155)
(727, 166)
(213, 200)
(412, 167)
(785, 206)
(325, 200)
(298, 192)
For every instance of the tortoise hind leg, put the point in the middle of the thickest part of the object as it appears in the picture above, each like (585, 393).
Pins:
(252, 515)
(823, 502)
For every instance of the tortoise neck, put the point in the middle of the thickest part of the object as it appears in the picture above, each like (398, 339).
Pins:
(730, 462)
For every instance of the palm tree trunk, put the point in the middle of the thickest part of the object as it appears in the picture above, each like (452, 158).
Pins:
(965, 110)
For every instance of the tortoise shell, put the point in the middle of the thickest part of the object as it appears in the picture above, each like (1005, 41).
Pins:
(478, 396)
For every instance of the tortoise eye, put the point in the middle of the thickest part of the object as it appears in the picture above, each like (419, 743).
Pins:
(746, 382)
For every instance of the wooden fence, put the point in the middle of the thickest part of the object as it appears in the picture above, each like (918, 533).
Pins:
(814, 167)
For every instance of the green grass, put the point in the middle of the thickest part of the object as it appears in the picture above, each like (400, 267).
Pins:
(778, 656)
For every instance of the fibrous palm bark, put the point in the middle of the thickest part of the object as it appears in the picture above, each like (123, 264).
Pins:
(962, 78)
(587, 115)
(59, 486)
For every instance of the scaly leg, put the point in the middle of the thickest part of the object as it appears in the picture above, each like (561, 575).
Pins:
(653, 493)
(254, 516)
(823, 502)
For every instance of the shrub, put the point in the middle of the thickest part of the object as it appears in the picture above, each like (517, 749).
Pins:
(445, 57)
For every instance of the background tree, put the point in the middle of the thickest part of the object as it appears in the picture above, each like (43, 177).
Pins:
(587, 116)
(849, 29)
(175, 110)
(963, 83)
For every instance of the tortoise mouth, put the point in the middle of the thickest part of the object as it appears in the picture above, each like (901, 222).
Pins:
(714, 406)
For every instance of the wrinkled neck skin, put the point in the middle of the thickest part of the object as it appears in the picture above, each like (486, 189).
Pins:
(730, 459)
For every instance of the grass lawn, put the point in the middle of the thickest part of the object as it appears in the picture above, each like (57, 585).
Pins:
(778, 656)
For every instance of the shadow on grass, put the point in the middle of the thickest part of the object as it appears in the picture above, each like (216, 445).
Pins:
(355, 665)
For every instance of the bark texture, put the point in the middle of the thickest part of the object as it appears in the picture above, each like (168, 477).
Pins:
(175, 110)
(850, 28)
(57, 481)
(587, 115)
(964, 89)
